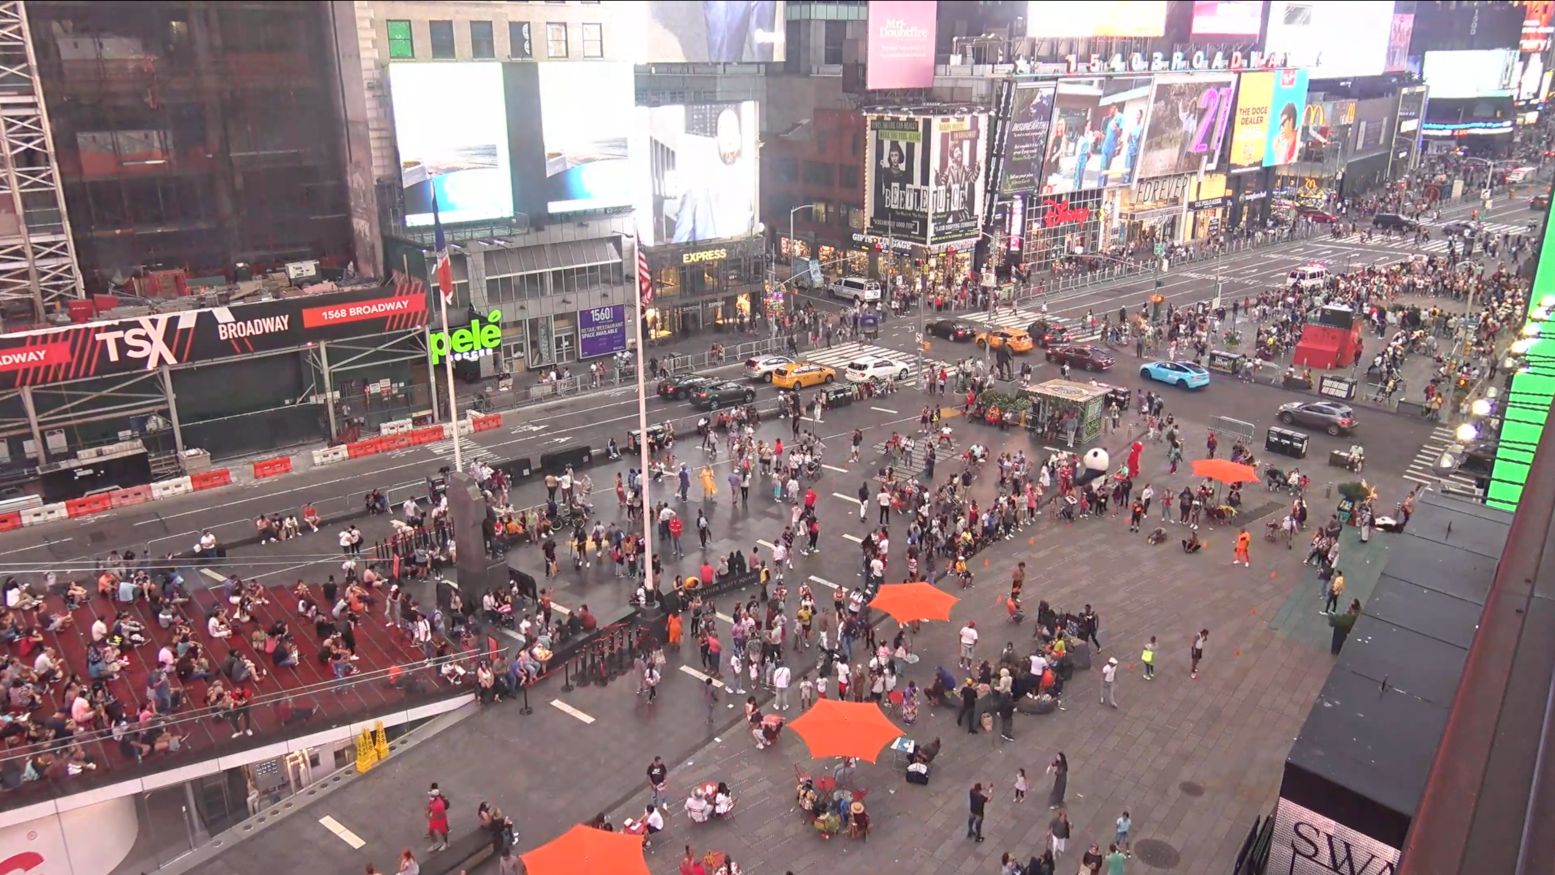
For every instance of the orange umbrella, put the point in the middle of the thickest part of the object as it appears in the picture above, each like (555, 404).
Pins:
(845, 729)
(1224, 470)
(909, 602)
(584, 850)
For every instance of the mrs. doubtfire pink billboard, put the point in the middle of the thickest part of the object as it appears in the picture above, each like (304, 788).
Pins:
(901, 44)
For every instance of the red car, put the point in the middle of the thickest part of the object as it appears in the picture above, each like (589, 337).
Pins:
(1317, 216)
(1086, 358)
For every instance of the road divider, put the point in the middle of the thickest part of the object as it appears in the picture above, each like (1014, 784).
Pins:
(272, 467)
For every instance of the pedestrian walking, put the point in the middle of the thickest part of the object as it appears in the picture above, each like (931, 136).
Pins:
(658, 775)
(1109, 677)
(1059, 769)
(1197, 653)
(1059, 829)
(782, 676)
(1335, 590)
(1243, 539)
(968, 710)
(1114, 860)
(978, 802)
(437, 819)
(1120, 833)
(968, 642)
(1342, 624)
(709, 698)
(1020, 785)
(1147, 656)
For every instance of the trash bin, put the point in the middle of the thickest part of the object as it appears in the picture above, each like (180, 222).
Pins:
(1286, 442)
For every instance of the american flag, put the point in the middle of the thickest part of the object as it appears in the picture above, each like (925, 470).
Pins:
(644, 278)
(445, 268)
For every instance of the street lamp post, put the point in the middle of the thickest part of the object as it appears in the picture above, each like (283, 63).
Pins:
(791, 231)
(992, 287)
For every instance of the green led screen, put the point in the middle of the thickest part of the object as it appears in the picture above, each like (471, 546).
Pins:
(1526, 407)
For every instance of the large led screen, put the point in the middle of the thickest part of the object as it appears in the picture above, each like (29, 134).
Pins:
(1027, 140)
(1399, 37)
(1097, 129)
(960, 142)
(1271, 107)
(698, 167)
(1059, 19)
(1189, 118)
(674, 31)
(451, 129)
(1227, 17)
(1287, 109)
(901, 44)
(1332, 40)
(586, 115)
(1464, 74)
(896, 198)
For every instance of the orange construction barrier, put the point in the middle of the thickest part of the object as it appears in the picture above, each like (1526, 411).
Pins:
(210, 479)
(429, 435)
(486, 423)
(395, 442)
(10, 521)
(364, 448)
(92, 504)
(130, 497)
(272, 467)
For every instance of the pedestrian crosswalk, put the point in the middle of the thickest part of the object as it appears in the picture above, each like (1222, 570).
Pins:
(837, 357)
(1438, 244)
(1426, 469)
(1018, 318)
(469, 450)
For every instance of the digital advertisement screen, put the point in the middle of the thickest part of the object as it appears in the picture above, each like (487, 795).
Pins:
(750, 31)
(1227, 17)
(586, 162)
(1403, 30)
(901, 44)
(1530, 79)
(451, 130)
(1303, 841)
(1097, 129)
(1189, 119)
(1456, 75)
(1056, 19)
(960, 142)
(1287, 109)
(1538, 25)
(1332, 40)
(1026, 145)
(700, 166)
(896, 198)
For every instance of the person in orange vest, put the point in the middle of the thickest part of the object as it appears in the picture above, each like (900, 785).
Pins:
(1242, 540)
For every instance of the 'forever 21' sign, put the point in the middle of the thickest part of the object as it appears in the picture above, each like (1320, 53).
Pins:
(1307, 843)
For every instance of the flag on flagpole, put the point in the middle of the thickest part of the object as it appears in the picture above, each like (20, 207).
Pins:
(445, 268)
(644, 278)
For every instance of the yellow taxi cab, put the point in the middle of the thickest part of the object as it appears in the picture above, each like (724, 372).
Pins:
(1017, 339)
(802, 375)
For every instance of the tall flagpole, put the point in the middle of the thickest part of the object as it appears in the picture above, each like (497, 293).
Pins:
(644, 297)
(453, 403)
(445, 290)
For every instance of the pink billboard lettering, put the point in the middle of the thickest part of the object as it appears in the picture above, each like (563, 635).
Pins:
(901, 44)
(21, 864)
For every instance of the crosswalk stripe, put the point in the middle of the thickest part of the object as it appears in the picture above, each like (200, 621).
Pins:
(704, 678)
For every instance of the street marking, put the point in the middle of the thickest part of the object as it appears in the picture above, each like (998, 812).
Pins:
(834, 468)
(824, 582)
(355, 841)
(702, 677)
(725, 617)
(561, 609)
(211, 574)
(768, 544)
(846, 497)
(854, 538)
(565, 708)
(883, 409)
(1419, 479)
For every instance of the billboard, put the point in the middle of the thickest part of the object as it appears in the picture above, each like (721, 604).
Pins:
(1538, 25)
(1271, 107)
(1227, 17)
(1464, 74)
(1096, 133)
(1055, 19)
(751, 31)
(1189, 118)
(145, 343)
(586, 160)
(465, 165)
(1030, 116)
(956, 205)
(1332, 40)
(901, 44)
(601, 331)
(1305, 843)
(1287, 109)
(699, 164)
(896, 195)
(1403, 30)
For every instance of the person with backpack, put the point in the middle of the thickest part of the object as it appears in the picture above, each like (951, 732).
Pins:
(437, 819)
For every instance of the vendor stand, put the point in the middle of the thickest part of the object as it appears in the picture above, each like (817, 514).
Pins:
(1063, 410)
(1225, 362)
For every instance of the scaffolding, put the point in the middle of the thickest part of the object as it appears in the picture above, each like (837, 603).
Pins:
(37, 252)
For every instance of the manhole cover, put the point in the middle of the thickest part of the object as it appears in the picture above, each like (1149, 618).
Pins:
(1157, 854)
(1189, 788)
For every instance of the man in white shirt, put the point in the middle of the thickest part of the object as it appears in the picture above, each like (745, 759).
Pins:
(1109, 677)
(968, 641)
(1038, 664)
(884, 500)
(781, 678)
(779, 558)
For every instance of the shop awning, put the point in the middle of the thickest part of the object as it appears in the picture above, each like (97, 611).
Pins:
(551, 256)
(1151, 213)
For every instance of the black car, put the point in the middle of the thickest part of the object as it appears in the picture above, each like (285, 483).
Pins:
(1046, 333)
(1084, 357)
(1479, 458)
(951, 329)
(1539, 203)
(723, 394)
(679, 388)
(1394, 222)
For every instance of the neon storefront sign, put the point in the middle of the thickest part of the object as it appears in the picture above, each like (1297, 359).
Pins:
(1056, 213)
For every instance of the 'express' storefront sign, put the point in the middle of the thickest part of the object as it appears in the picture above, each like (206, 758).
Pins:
(145, 343)
(704, 255)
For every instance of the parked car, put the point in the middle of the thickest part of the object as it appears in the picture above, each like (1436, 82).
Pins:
(1048, 333)
(1086, 357)
(716, 395)
(951, 329)
(680, 387)
(1539, 203)
(1394, 222)
(801, 375)
(1014, 338)
(864, 370)
(1462, 228)
(1330, 416)
(1186, 375)
(762, 367)
(1478, 459)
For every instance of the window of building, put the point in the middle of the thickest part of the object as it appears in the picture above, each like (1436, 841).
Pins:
(519, 287)
(822, 211)
(593, 40)
(836, 33)
(483, 42)
(586, 279)
(795, 48)
(401, 43)
(847, 177)
(556, 40)
(521, 44)
(785, 170)
(858, 143)
(442, 40)
(817, 173)
(822, 140)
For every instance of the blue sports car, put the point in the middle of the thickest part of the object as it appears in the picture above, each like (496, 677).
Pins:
(1184, 374)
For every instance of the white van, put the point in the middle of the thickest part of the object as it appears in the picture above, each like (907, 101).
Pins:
(856, 289)
(1521, 174)
(1311, 276)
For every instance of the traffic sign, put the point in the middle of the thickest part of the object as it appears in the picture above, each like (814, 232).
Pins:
(1160, 249)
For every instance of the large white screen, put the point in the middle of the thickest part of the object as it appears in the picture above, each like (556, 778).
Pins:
(1128, 18)
(450, 124)
(697, 172)
(1485, 73)
(586, 113)
(1331, 39)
